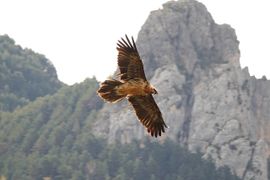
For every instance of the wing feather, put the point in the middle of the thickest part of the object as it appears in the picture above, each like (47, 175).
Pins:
(129, 61)
(148, 113)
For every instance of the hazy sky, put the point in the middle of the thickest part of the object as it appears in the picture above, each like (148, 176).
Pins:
(79, 36)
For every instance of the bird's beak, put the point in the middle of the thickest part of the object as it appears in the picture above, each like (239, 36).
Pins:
(155, 91)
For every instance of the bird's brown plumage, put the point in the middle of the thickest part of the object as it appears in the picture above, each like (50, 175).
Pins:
(135, 87)
(149, 114)
(129, 61)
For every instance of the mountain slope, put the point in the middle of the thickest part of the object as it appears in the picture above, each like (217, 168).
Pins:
(24, 75)
(33, 137)
(52, 138)
(208, 101)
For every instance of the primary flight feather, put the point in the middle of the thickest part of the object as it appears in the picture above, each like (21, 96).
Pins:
(134, 86)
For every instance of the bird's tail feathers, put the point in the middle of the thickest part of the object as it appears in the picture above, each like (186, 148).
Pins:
(108, 90)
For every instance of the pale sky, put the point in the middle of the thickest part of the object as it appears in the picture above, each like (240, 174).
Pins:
(79, 36)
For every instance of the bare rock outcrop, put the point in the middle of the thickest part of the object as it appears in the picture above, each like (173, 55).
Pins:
(210, 104)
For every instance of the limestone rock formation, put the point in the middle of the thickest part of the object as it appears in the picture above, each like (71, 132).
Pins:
(210, 104)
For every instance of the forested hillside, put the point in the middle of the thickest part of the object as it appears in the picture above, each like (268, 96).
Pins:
(51, 137)
(24, 75)
(46, 131)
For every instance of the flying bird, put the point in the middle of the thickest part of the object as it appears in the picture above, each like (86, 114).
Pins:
(134, 86)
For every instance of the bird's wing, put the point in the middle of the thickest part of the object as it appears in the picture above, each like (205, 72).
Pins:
(148, 113)
(129, 61)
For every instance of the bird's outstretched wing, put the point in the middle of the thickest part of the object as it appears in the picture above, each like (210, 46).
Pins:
(148, 113)
(129, 61)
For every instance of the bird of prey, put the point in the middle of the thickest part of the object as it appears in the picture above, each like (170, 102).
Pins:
(134, 86)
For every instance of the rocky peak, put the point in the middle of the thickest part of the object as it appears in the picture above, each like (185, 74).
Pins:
(184, 33)
(210, 104)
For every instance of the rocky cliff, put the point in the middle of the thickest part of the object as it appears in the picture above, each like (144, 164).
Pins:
(209, 103)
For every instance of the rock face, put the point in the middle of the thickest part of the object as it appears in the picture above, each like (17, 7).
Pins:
(210, 104)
